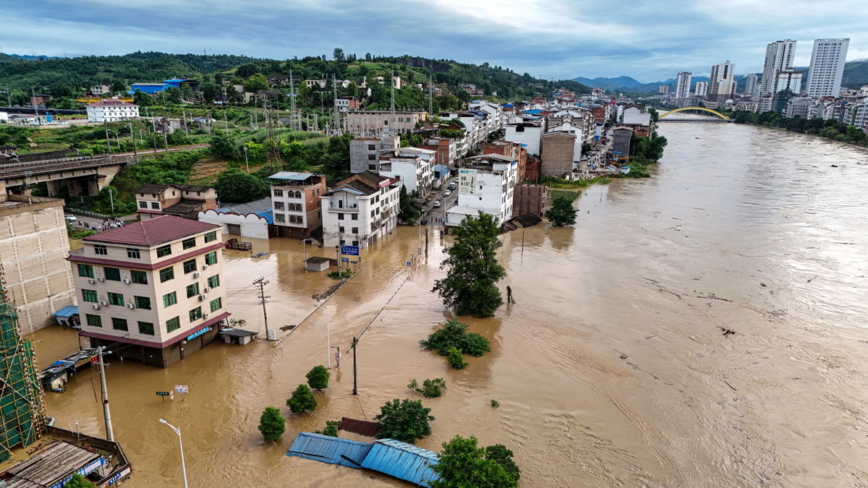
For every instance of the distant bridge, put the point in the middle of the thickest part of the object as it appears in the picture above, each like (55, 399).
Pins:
(701, 109)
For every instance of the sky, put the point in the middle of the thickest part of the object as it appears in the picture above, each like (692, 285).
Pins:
(648, 40)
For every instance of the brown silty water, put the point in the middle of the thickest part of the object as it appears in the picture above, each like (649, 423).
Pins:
(611, 369)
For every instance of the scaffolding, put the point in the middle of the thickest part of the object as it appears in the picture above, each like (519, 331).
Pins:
(22, 402)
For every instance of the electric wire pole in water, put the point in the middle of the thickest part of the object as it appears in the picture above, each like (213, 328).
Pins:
(262, 282)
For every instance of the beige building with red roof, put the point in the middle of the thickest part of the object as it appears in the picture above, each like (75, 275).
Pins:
(152, 291)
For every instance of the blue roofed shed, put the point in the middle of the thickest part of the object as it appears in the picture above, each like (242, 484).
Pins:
(67, 316)
(332, 450)
(402, 460)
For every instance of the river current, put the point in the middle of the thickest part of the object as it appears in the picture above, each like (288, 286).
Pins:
(613, 368)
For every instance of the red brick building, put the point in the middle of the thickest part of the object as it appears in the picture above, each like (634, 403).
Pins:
(530, 199)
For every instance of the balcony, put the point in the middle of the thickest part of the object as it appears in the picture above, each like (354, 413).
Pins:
(344, 209)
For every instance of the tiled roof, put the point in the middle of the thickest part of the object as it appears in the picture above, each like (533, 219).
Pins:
(152, 232)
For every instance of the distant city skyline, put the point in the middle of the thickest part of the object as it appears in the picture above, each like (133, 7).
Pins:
(558, 39)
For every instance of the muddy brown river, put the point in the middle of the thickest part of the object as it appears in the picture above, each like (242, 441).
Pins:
(611, 370)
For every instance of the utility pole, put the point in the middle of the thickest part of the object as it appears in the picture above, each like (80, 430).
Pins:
(392, 103)
(262, 282)
(186, 129)
(430, 97)
(355, 374)
(133, 136)
(166, 135)
(112, 200)
(337, 114)
(328, 338)
(225, 123)
(304, 246)
(108, 140)
(109, 432)
(35, 105)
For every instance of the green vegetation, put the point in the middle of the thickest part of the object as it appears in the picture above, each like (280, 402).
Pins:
(339, 276)
(495, 403)
(405, 421)
(829, 129)
(470, 286)
(331, 429)
(570, 195)
(409, 208)
(561, 184)
(79, 481)
(430, 388)
(302, 400)
(562, 212)
(454, 335)
(271, 424)
(463, 464)
(318, 377)
(75, 233)
(455, 359)
(234, 185)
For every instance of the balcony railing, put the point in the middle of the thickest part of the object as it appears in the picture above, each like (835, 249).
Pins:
(346, 209)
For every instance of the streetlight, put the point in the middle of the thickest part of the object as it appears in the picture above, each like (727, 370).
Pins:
(246, 162)
(178, 431)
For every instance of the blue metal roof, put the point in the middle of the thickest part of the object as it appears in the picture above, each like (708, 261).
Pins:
(402, 460)
(267, 214)
(290, 175)
(67, 311)
(328, 449)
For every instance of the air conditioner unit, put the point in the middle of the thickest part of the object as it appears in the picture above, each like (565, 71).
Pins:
(91, 281)
(127, 281)
(202, 297)
(100, 279)
(204, 315)
(196, 274)
(95, 306)
(130, 305)
(103, 303)
(206, 290)
(204, 267)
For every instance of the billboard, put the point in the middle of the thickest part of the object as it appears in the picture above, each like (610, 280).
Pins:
(466, 181)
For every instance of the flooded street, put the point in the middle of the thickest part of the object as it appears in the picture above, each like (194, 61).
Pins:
(612, 369)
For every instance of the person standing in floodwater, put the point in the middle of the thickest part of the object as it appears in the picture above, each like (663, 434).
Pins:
(509, 295)
(337, 357)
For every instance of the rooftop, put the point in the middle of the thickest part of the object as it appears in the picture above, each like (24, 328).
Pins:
(112, 103)
(292, 176)
(364, 183)
(152, 232)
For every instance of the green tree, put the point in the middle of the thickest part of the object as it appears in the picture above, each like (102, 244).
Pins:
(302, 399)
(430, 388)
(331, 429)
(271, 424)
(655, 116)
(503, 456)
(210, 92)
(455, 358)
(79, 481)
(142, 99)
(318, 377)
(255, 83)
(405, 421)
(463, 464)
(454, 334)
(562, 212)
(338, 54)
(409, 208)
(234, 185)
(472, 268)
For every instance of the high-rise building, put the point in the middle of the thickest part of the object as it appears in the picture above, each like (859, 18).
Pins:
(751, 85)
(701, 89)
(779, 57)
(722, 83)
(664, 89)
(682, 87)
(789, 79)
(827, 67)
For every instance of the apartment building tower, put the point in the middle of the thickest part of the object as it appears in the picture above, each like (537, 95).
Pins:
(722, 84)
(779, 57)
(751, 85)
(827, 67)
(360, 210)
(701, 89)
(682, 86)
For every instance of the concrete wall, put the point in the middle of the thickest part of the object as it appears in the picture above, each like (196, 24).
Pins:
(557, 154)
(252, 225)
(531, 199)
(529, 136)
(33, 249)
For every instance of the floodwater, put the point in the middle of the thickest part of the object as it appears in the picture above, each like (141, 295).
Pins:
(611, 370)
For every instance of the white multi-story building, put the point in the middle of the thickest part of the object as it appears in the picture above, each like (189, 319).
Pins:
(827, 67)
(100, 89)
(412, 165)
(496, 115)
(751, 85)
(779, 57)
(722, 84)
(860, 118)
(701, 88)
(798, 107)
(682, 86)
(789, 79)
(295, 200)
(486, 184)
(360, 210)
(111, 111)
(527, 133)
(151, 290)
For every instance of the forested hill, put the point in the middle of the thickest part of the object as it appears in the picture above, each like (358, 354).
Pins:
(70, 76)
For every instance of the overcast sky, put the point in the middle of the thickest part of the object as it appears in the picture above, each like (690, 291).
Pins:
(649, 41)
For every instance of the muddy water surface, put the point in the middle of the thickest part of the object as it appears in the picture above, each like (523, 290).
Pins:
(611, 370)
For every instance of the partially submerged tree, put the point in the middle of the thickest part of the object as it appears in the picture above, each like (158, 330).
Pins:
(271, 424)
(331, 429)
(463, 464)
(302, 400)
(430, 388)
(472, 268)
(562, 212)
(454, 334)
(455, 359)
(318, 377)
(405, 421)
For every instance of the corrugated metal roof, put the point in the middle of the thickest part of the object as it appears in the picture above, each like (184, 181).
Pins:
(292, 176)
(326, 449)
(67, 311)
(402, 460)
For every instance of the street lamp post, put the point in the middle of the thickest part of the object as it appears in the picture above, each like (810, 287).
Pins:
(246, 162)
(181, 443)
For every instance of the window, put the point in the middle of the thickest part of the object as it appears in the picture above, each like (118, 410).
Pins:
(278, 205)
(216, 304)
(298, 194)
(354, 216)
(100, 250)
(116, 299)
(372, 214)
(341, 230)
(188, 243)
(211, 236)
(143, 204)
(189, 266)
(340, 216)
(355, 243)
(278, 193)
(355, 231)
(155, 205)
(94, 320)
(170, 299)
(119, 324)
(195, 314)
(89, 296)
(211, 258)
(146, 328)
(85, 270)
(280, 217)
(372, 147)
(143, 302)
(133, 253)
(214, 281)
(192, 290)
(139, 277)
(372, 157)
(173, 324)
(167, 274)
(164, 251)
